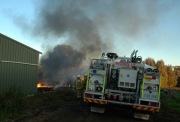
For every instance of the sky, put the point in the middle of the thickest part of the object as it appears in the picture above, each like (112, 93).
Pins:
(152, 27)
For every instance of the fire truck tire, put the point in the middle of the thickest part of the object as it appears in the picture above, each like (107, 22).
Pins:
(97, 109)
(141, 116)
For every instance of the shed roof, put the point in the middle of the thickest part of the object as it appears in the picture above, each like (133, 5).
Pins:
(19, 43)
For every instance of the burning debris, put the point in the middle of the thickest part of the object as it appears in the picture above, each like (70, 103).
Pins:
(41, 86)
(44, 85)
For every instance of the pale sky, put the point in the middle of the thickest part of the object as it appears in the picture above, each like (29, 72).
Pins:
(158, 40)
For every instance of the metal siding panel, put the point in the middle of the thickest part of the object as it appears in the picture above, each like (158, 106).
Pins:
(19, 55)
(32, 57)
(33, 78)
(0, 74)
(6, 80)
(12, 52)
(24, 55)
(23, 80)
(5, 77)
(1, 47)
(16, 80)
(18, 43)
(30, 78)
(1, 78)
(7, 49)
(24, 76)
(28, 56)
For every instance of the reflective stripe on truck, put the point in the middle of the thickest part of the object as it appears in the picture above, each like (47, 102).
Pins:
(146, 108)
(95, 101)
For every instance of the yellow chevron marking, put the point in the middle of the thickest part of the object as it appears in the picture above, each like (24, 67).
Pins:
(95, 101)
(145, 108)
(151, 109)
(101, 102)
(90, 101)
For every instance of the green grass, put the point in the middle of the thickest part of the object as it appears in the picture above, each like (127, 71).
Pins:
(171, 101)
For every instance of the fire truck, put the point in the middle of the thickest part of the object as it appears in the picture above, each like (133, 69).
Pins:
(123, 81)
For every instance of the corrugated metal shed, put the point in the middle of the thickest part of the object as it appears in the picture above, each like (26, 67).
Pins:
(18, 66)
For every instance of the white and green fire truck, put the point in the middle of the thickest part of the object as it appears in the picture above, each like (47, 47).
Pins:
(123, 81)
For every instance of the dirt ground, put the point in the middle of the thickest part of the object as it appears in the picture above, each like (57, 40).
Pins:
(63, 106)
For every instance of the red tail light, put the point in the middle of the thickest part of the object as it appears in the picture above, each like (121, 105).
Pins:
(154, 104)
(89, 95)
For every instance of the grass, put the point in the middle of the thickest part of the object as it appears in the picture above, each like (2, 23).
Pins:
(171, 100)
(12, 103)
(61, 105)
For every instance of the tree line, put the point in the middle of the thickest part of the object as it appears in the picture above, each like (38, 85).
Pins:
(170, 75)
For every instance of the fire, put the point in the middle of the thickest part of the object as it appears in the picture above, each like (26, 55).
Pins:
(44, 85)
(39, 84)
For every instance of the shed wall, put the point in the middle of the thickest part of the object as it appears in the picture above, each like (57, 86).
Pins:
(18, 66)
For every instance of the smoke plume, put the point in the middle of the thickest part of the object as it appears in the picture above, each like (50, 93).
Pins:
(61, 63)
(88, 28)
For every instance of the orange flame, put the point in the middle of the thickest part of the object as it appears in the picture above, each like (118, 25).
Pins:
(44, 85)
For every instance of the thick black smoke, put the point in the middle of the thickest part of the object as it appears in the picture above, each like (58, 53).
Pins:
(61, 64)
(66, 19)
(89, 27)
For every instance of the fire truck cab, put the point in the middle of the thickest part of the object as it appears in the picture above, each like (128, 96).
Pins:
(123, 81)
